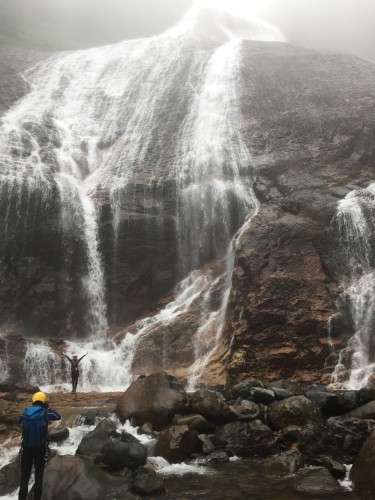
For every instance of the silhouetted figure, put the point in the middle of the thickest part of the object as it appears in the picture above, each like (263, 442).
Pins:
(74, 364)
(34, 448)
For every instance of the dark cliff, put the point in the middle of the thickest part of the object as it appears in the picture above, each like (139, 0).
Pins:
(308, 122)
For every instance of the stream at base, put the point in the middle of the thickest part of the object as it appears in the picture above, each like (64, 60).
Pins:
(238, 479)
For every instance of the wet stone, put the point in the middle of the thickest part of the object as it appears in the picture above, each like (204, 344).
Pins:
(291, 433)
(146, 482)
(145, 429)
(205, 444)
(337, 469)
(193, 421)
(244, 389)
(218, 457)
(316, 482)
(58, 433)
(206, 403)
(265, 396)
(281, 394)
(284, 464)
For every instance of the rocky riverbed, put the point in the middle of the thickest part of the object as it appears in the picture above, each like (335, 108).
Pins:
(157, 441)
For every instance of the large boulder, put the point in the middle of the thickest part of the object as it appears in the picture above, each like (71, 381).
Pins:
(10, 478)
(265, 396)
(176, 444)
(340, 439)
(366, 394)
(155, 399)
(120, 455)
(9, 411)
(362, 473)
(316, 483)
(69, 477)
(245, 388)
(247, 411)
(205, 444)
(206, 403)
(337, 470)
(248, 440)
(327, 402)
(281, 394)
(347, 401)
(365, 412)
(92, 443)
(297, 410)
(58, 433)
(193, 421)
(146, 482)
(287, 385)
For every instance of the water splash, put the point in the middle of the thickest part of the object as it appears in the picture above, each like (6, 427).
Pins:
(4, 363)
(78, 215)
(42, 366)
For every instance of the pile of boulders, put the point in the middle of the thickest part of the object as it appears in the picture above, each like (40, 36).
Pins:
(283, 426)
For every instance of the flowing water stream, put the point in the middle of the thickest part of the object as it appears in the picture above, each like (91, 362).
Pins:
(355, 221)
(91, 122)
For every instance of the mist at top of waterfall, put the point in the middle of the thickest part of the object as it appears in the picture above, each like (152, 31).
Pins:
(222, 24)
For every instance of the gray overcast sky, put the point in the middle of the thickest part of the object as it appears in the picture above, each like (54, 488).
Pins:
(344, 25)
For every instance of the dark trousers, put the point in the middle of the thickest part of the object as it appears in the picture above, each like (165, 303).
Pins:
(34, 454)
(75, 380)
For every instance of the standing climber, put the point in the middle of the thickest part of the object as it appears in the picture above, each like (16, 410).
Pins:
(34, 443)
(75, 370)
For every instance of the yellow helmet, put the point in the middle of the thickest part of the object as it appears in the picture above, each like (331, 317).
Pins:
(39, 396)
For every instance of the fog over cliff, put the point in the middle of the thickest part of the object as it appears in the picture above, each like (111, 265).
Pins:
(66, 24)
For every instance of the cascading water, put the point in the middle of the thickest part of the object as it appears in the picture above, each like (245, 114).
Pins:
(99, 120)
(354, 221)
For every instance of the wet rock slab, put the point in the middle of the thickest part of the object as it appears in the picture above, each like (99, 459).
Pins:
(242, 480)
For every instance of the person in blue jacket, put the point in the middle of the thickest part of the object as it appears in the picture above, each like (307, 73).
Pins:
(34, 443)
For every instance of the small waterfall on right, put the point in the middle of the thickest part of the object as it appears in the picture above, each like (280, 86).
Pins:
(355, 222)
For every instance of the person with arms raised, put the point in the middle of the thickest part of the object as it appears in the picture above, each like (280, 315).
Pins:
(74, 364)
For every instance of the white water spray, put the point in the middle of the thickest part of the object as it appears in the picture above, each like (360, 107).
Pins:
(355, 222)
(99, 120)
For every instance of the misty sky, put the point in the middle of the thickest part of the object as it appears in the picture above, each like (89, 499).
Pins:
(343, 25)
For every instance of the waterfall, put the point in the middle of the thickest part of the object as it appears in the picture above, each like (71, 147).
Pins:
(78, 214)
(354, 221)
(149, 111)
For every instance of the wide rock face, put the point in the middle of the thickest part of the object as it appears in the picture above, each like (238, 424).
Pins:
(310, 130)
(155, 399)
(312, 142)
(362, 471)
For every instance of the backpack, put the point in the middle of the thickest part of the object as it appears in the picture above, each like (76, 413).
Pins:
(35, 427)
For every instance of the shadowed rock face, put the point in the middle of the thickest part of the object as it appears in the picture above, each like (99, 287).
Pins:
(308, 121)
